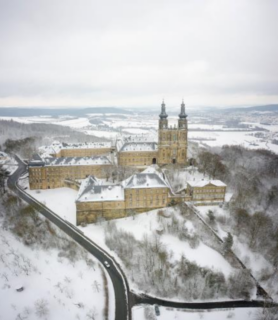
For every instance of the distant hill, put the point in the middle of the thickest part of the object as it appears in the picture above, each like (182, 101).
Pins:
(269, 107)
(35, 112)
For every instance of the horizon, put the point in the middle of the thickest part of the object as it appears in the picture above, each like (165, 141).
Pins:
(153, 108)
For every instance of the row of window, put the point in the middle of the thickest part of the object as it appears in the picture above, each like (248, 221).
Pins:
(149, 198)
(174, 137)
(150, 190)
(208, 196)
(209, 190)
(141, 160)
(146, 203)
(130, 204)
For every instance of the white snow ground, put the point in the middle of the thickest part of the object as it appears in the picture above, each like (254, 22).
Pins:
(55, 279)
(221, 138)
(182, 314)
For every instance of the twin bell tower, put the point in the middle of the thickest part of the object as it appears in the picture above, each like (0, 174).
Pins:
(172, 141)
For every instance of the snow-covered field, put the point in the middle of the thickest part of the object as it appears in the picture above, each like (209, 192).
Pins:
(46, 275)
(181, 314)
(220, 138)
(112, 126)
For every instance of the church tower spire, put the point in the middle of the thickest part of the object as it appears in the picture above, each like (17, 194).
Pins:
(163, 122)
(182, 115)
(163, 114)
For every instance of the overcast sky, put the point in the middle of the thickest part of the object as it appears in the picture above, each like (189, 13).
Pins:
(132, 53)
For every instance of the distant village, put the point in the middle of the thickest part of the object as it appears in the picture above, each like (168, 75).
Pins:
(84, 167)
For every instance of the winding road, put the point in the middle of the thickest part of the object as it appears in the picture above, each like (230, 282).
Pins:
(120, 284)
(125, 299)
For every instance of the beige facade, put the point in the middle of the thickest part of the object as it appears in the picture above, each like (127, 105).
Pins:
(146, 198)
(172, 146)
(48, 176)
(136, 201)
(89, 212)
(172, 141)
(210, 191)
(140, 193)
(137, 158)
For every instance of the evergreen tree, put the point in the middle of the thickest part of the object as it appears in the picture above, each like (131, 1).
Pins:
(228, 243)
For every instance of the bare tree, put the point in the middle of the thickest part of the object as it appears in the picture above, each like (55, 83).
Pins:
(92, 314)
(267, 314)
(41, 307)
(60, 286)
(80, 305)
(96, 286)
(5, 276)
(149, 313)
(21, 317)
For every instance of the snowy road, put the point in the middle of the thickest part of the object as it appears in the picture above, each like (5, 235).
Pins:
(119, 283)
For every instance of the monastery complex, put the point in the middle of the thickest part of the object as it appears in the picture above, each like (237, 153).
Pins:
(84, 167)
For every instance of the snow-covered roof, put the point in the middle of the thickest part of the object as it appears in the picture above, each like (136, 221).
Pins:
(77, 161)
(36, 161)
(72, 161)
(149, 178)
(139, 146)
(87, 184)
(140, 142)
(91, 190)
(203, 183)
(139, 138)
(56, 146)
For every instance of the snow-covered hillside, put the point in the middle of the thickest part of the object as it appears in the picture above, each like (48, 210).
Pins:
(53, 287)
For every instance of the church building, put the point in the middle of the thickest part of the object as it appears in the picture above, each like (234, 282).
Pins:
(62, 162)
(170, 149)
(172, 141)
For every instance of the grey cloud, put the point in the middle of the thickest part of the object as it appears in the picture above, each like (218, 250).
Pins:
(132, 53)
